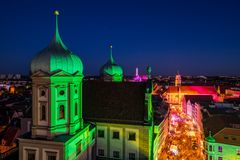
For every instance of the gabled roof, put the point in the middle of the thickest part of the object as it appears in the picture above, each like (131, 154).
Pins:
(112, 102)
(218, 122)
(228, 136)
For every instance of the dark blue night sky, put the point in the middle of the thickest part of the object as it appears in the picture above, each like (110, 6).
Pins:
(195, 37)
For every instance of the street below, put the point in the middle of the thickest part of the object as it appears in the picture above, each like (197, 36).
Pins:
(184, 140)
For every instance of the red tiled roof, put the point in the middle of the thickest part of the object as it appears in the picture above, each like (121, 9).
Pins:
(204, 90)
(228, 136)
(222, 121)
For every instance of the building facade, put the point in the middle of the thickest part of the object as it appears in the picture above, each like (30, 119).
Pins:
(224, 145)
(58, 131)
(123, 115)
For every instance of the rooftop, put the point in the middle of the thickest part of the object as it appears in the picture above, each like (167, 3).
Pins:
(122, 102)
(228, 136)
(204, 90)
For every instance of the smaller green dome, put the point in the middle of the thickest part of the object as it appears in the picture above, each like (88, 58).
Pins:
(111, 68)
(210, 138)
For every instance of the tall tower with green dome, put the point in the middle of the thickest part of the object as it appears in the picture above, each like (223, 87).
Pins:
(58, 130)
(57, 89)
(111, 71)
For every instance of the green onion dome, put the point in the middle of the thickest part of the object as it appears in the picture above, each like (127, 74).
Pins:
(56, 57)
(210, 138)
(111, 68)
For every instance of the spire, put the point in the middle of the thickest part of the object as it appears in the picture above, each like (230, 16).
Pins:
(56, 13)
(57, 39)
(136, 72)
(111, 56)
(210, 138)
(149, 70)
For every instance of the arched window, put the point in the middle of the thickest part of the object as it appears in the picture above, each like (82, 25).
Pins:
(76, 108)
(43, 112)
(43, 93)
(61, 114)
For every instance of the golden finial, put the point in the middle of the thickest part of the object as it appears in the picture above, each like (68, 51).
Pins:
(56, 12)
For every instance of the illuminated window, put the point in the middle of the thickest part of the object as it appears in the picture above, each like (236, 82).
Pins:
(116, 154)
(132, 136)
(100, 152)
(219, 148)
(101, 133)
(43, 112)
(115, 135)
(76, 109)
(220, 158)
(132, 156)
(61, 114)
(61, 92)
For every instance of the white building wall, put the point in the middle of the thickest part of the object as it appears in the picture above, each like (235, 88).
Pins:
(116, 144)
(131, 146)
(102, 141)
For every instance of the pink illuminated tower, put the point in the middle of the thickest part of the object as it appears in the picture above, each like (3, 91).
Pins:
(137, 78)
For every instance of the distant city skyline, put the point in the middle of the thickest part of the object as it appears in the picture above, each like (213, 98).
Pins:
(192, 37)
